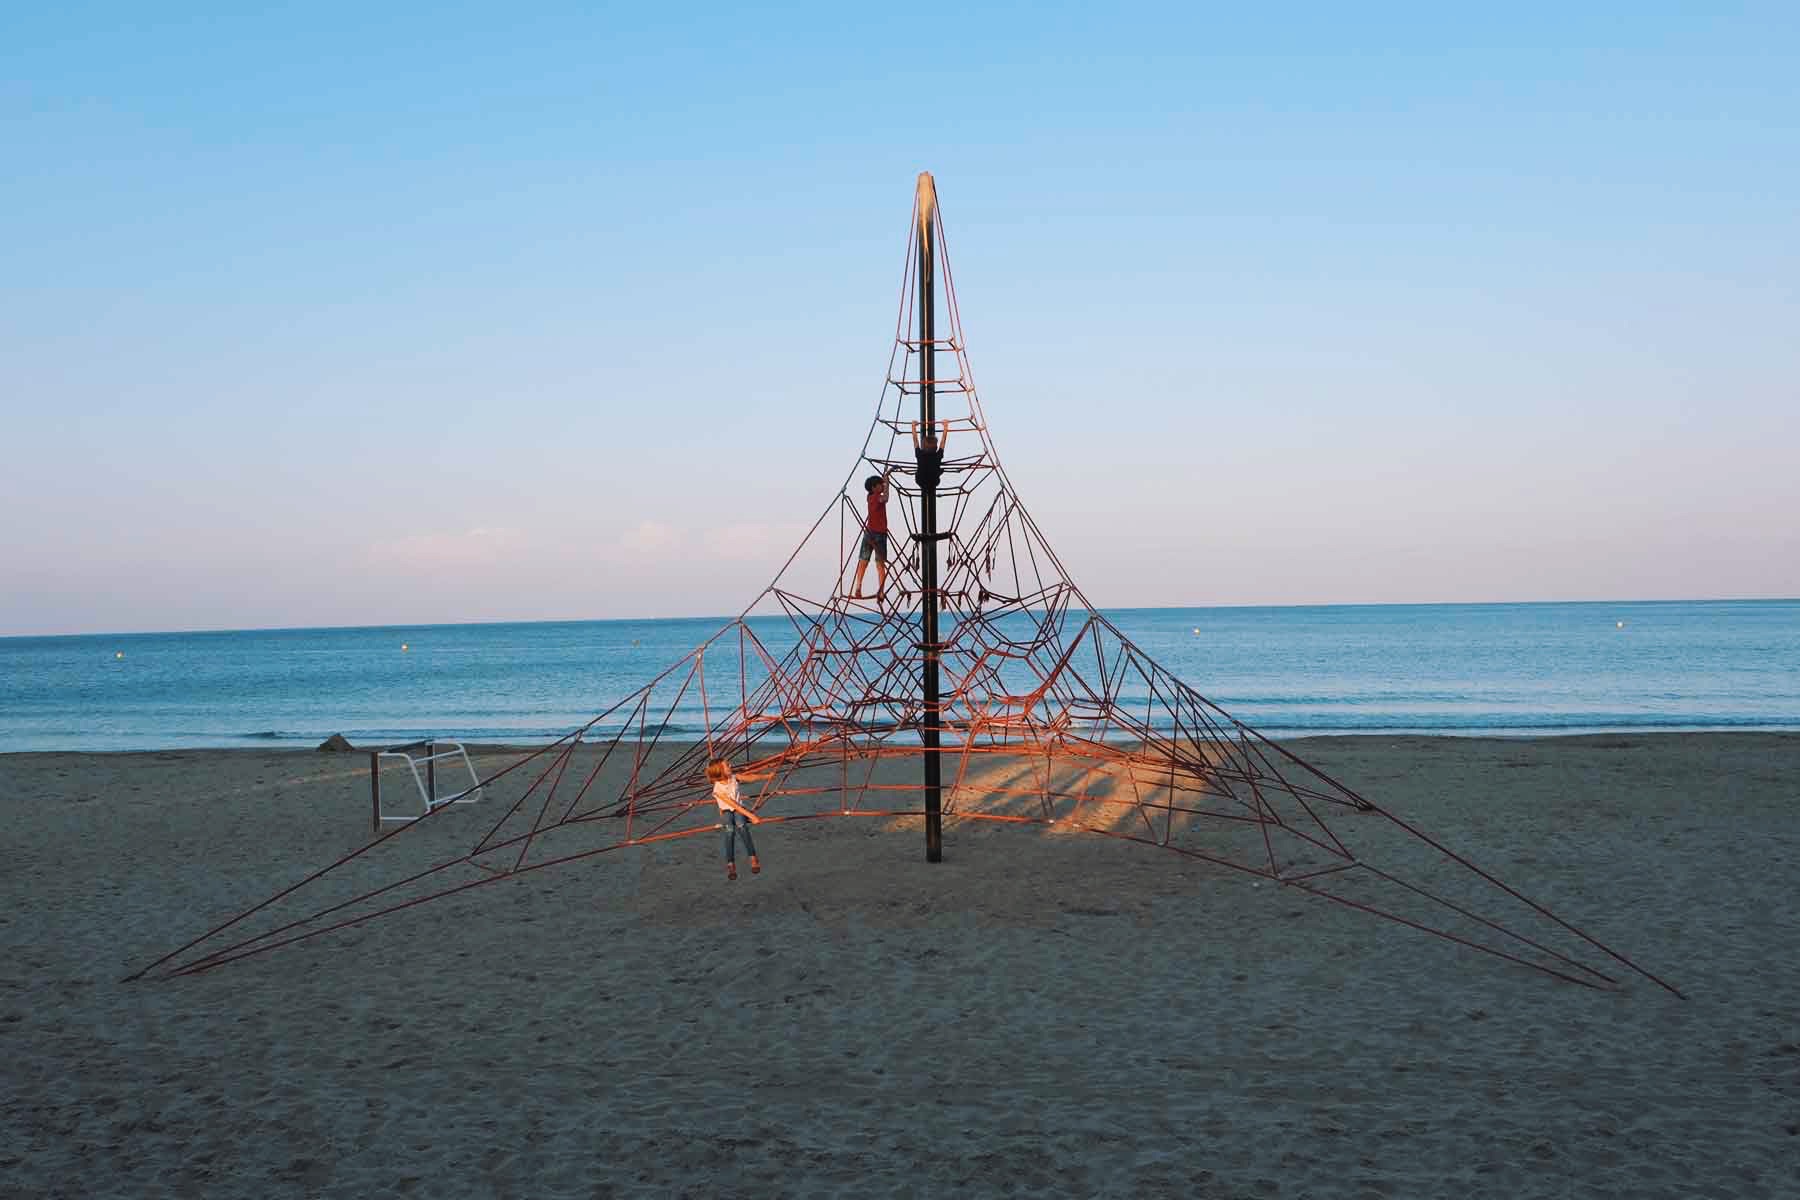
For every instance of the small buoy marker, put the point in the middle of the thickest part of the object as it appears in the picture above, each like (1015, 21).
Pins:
(118, 654)
(404, 647)
(1621, 625)
(1196, 632)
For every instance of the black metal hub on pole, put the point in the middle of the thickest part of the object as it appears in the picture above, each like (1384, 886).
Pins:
(928, 533)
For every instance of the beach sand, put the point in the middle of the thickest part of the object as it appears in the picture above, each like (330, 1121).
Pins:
(1041, 1013)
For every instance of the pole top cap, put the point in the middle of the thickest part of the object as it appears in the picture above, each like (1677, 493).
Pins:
(926, 197)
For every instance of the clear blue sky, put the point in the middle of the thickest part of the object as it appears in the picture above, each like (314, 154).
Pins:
(441, 313)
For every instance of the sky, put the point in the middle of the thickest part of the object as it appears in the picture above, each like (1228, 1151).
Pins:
(353, 314)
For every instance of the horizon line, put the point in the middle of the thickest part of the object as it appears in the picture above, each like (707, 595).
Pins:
(728, 619)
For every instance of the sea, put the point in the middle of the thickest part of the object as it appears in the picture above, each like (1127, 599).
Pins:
(1449, 669)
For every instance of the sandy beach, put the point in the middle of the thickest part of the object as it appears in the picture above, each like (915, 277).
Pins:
(1039, 1014)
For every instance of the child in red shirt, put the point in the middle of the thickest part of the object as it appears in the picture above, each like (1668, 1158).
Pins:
(874, 539)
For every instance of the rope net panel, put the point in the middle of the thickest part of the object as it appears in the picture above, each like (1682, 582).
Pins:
(1050, 716)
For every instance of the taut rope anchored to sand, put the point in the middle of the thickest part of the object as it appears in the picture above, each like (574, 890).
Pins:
(982, 652)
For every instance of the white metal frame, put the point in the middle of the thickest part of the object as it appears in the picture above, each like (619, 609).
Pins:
(436, 752)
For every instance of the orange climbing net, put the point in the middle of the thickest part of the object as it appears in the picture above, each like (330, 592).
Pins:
(1049, 716)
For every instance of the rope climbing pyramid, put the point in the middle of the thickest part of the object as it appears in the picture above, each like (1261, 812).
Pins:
(924, 653)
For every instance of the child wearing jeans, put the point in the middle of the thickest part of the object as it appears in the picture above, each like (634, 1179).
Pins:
(725, 795)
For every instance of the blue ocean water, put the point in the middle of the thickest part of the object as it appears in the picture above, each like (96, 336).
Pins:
(1442, 668)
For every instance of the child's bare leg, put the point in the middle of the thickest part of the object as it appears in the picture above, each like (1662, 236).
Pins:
(880, 579)
(862, 568)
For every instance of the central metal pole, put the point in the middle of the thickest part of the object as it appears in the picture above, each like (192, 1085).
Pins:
(928, 576)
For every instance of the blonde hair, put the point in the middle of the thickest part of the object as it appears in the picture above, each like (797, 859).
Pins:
(717, 769)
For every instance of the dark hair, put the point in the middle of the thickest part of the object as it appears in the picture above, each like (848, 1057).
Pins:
(871, 483)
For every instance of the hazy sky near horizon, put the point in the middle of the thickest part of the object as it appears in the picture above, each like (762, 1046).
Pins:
(362, 314)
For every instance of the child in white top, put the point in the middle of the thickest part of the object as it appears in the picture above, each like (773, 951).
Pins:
(725, 795)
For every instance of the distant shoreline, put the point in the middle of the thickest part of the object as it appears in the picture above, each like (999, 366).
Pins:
(1595, 739)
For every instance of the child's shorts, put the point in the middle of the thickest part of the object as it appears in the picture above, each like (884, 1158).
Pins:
(873, 543)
